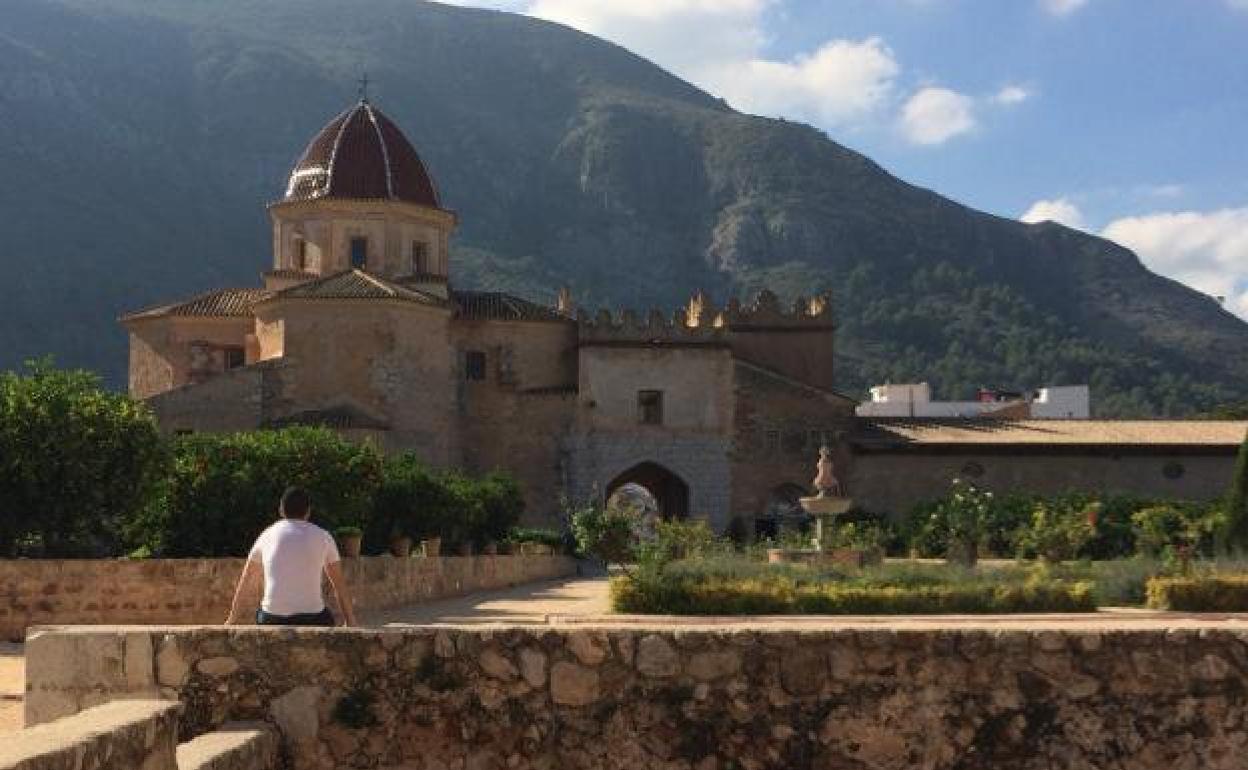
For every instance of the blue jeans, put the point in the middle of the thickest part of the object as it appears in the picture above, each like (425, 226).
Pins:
(322, 618)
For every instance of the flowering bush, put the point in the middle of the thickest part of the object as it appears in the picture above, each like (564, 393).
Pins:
(965, 512)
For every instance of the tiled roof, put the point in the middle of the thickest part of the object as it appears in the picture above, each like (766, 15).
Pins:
(497, 306)
(339, 417)
(223, 303)
(361, 154)
(356, 284)
(899, 433)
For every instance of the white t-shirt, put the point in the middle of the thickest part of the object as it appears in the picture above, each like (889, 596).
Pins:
(294, 554)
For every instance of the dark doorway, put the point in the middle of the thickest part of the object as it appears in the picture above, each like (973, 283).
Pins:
(670, 492)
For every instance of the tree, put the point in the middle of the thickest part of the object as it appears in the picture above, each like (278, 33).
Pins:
(76, 462)
(1237, 503)
(224, 488)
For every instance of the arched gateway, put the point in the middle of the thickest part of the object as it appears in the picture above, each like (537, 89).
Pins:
(669, 490)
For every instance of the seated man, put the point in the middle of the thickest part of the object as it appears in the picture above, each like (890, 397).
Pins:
(291, 556)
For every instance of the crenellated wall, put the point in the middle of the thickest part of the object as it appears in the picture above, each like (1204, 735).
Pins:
(198, 591)
(1022, 694)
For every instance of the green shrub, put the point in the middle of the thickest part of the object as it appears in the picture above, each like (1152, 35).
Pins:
(79, 466)
(410, 501)
(652, 594)
(1207, 593)
(1060, 529)
(224, 488)
(605, 533)
(501, 504)
(551, 537)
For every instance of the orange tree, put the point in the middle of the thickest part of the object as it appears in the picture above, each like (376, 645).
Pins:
(76, 462)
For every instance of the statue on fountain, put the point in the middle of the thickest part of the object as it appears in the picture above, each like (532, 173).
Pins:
(829, 500)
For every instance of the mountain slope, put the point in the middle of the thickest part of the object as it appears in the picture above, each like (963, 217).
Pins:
(144, 136)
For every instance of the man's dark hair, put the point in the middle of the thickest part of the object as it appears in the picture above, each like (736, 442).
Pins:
(295, 503)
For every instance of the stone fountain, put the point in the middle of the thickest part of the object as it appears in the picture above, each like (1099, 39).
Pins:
(828, 503)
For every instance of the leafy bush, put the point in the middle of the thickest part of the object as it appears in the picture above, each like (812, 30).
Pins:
(1178, 530)
(77, 463)
(551, 537)
(966, 513)
(657, 594)
(224, 488)
(605, 533)
(1205, 593)
(1060, 529)
(411, 501)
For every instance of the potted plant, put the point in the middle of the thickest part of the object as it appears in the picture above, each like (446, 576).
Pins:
(401, 545)
(431, 546)
(490, 549)
(349, 540)
(965, 511)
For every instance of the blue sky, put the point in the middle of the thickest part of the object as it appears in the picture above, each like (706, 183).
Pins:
(1125, 118)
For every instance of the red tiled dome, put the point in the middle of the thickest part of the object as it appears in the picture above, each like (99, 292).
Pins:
(361, 154)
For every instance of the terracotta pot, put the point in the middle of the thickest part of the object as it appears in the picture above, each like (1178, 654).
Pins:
(431, 547)
(491, 549)
(349, 546)
(401, 547)
(465, 549)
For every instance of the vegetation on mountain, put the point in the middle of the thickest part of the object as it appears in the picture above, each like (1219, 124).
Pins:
(142, 138)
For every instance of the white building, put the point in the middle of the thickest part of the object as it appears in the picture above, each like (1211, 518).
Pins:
(1067, 402)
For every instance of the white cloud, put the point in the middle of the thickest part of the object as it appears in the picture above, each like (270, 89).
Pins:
(718, 45)
(1011, 95)
(841, 84)
(1205, 250)
(1066, 7)
(1060, 210)
(935, 115)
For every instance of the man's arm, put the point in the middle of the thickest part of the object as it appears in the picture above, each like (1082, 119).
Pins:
(248, 582)
(334, 571)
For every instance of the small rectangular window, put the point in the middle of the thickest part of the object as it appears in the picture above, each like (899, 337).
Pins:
(234, 357)
(474, 366)
(359, 253)
(650, 407)
(420, 258)
(773, 441)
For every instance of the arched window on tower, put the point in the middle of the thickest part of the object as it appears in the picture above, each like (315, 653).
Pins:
(420, 258)
(301, 254)
(359, 253)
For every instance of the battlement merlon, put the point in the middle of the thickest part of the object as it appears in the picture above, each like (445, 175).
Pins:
(766, 312)
(700, 322)
(656, 328)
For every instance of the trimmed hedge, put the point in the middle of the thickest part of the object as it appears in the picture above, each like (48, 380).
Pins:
(647, 594)
(1209, 593)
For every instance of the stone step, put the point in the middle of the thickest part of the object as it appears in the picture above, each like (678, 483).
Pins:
(133, 734)
(236, 746)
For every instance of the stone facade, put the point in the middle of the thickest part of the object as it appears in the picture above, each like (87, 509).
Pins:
(865, 696)
(198, 591)
(895, 482)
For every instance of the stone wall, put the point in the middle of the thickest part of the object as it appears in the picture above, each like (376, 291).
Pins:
(1023, 694)
(198, 591)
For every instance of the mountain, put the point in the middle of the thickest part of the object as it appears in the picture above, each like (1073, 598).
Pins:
(140, 140)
